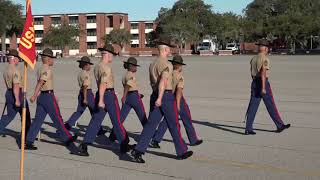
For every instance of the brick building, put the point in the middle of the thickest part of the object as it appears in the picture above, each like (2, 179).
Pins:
(94, 27)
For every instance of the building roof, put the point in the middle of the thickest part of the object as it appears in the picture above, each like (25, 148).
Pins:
(86, 13)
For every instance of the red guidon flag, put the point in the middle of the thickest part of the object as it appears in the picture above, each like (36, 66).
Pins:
(27, 48)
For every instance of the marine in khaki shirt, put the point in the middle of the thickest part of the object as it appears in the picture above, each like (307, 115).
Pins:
(12, 76)
(261, 89)
(103, 74)
(178, 80)
(160, 68)
(84, 79)
(130, 79)
(257, 63)
(45, 74)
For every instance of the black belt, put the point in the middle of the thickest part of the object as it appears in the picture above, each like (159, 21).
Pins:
(10, 89)
(258, 78)
(47, 92)
(135, 91)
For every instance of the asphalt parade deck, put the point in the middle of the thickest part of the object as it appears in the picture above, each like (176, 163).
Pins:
(218, 90)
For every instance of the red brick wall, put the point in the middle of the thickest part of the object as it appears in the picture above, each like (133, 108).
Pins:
(101, 29)
(83, 36)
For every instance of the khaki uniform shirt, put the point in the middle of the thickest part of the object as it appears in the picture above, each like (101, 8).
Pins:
(258, 62)
(45, 74)
(158, 69)
(84, 79)
(12, 76)
(103, 74)
(178, 80)
(130, 79)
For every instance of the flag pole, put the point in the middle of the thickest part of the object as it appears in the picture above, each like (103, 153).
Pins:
(24, 111)
(28, 54)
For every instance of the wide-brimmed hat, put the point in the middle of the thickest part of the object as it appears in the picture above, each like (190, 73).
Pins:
(164, 41)
(47, 52)
(263, 42)
(131, 60)
(177, 60)
(13, 52)
(86, 60)
(109, 48)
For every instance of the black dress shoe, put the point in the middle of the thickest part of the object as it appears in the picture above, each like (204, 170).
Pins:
(83, 150)
(137, 157)
(30, 146)
(73, 139)
(185, 155)
(102, 132)
(154, 144)
(67, 126)
(250, 133)
(287, 126)
(126, 148)
(197, 143)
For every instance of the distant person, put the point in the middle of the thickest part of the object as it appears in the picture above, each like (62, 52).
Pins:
(182, 107)
(261, 89)
(14, 95)
(107, 102)
(46, 103)
(162, 104)
(131, 98)
(86, 97)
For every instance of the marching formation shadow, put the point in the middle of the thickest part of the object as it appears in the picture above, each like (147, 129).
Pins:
(103, 142)
(227, 128)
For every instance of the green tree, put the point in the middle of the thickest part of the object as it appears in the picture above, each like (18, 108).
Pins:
(188, 21)
(229, 28)
(120, 37)
(294, 21)
(62, 36)
(11, 21)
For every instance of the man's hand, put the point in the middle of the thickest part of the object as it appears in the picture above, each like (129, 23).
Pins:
(85, 102)
(123, 100)
(32, 99)
(178, 107)
(159, 102)
(17, 103)
(263, 92)
(101, 105)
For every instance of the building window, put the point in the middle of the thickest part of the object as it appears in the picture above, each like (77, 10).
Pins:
(135, 36)
(91, 45)
(91, 32)
(38, 21)
(55, 20)
(134, 26)
(73, 20)
(149, 25)
(39, 33)
(74, 46)
(91, 19)
(134, 45)
(110, 21)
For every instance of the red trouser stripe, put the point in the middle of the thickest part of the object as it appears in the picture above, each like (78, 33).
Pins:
(59, 117)
(178, 125)
(274, 104)
(189, 114)
(123, 131)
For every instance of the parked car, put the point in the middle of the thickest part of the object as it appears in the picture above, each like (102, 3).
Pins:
(234, 47)
(207, 45)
